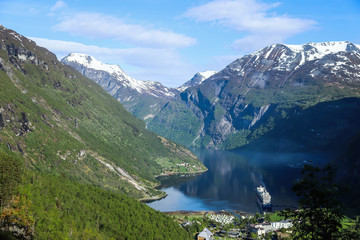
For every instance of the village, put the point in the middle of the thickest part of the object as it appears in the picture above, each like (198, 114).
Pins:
(211, 225)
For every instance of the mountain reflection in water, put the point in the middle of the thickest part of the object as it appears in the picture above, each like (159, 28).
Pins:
(231, 179)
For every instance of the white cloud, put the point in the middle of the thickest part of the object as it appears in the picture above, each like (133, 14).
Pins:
(95, 25)
(58, 5)
(163, 65)
(252, 18)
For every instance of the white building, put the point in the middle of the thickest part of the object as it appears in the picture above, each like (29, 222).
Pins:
(263, 228)
(260, 228)
(281, 224)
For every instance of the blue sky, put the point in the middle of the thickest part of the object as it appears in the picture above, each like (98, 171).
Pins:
(170, 40)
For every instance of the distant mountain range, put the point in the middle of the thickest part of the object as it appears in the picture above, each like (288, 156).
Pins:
(247, 99)
(243, 101)
(144, 99)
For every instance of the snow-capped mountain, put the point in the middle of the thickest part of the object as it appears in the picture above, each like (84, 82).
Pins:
(251, 92)
(279, 63)
(142, 98)
(196, 80)
(113, 79)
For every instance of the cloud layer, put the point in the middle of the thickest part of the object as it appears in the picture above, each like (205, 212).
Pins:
(252, 18)
(96, 25)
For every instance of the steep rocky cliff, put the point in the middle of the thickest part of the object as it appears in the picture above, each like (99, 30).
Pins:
(243, 101)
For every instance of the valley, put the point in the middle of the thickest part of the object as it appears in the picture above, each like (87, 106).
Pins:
(73, 142)
(83, 145)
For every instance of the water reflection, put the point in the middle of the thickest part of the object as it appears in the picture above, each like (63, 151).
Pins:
(231, 180)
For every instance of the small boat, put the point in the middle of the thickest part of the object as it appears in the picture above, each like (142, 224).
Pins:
(263, 199)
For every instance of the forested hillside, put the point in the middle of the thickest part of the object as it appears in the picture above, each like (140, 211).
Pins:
(72, 156)
(45, 206)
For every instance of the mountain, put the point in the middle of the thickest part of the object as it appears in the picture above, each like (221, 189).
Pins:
(142, 98)
(196, 80)
(72, 159)
(62, 123)
(249, 97)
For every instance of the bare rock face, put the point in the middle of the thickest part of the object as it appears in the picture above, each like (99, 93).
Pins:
(16, 231)
(17, 54)
(2, 124)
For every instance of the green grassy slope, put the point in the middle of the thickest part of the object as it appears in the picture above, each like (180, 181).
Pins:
(63, 123)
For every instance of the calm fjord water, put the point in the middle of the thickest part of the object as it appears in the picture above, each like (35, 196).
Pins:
(230, 182)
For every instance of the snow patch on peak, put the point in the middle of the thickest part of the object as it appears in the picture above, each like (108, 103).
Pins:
(150, 87)
(207, 74)
(286, 57)
(322, 48)
(196, 80)
(90, 62)
(330, 47)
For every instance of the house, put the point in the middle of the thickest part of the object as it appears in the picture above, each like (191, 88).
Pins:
(263, 228)
(282, 224)
(260, 228)
(205, 235)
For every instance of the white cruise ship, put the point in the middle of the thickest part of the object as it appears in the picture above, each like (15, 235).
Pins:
(263, 199)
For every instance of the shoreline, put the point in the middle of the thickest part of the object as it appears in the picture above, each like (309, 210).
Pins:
(204, 212)
(185, 174)
(164, 175)
(153, 199)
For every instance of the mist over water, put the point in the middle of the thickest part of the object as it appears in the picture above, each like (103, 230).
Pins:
(231, 179)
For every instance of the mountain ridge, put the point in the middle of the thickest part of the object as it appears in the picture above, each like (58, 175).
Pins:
(197, 79)
(144, 99)
(224, 109)
(229, 106)
(142, 87)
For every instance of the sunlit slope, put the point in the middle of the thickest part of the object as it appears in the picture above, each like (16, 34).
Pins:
(63, 123)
